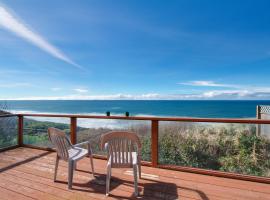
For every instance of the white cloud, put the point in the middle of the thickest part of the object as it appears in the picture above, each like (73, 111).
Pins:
(92, 97)
(79, 90)
(207, 84)
(251, 93)
(233, 91)
(14, 25)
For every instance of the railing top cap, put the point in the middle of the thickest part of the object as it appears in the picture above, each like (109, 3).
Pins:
(178, 119)
(8, 115)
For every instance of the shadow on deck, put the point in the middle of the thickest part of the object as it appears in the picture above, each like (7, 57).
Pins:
(28, 174)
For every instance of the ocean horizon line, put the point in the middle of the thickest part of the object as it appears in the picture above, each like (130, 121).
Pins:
(6, 100)
(200, 109)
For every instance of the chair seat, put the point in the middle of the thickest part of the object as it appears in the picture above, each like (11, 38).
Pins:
(126, 163)
(76, 153)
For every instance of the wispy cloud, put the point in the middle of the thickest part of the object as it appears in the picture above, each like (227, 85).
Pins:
(227, 91)
(79, 90)
(14, 25)
(91, 97)
(207, 84)
(242, 92)
(235, 94)
(214, 94)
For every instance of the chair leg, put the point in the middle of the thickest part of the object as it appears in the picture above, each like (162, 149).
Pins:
(140, 170)
(70, 173)
(108, 179)
(110, 173)
(92, 165)
(56, 167)
(135, 174)
(91, 159)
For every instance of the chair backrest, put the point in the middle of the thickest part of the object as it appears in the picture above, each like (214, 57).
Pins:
(60, 142)
(120, 146)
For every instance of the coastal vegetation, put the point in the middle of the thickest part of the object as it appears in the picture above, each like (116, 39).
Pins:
(8, 130)
(226, 147)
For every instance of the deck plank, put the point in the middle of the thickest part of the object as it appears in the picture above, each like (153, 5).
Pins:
(8, 194)
(190, 177)
(28, 174)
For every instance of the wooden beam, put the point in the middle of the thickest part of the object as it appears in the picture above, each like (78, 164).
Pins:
(154, 143)
(73, 130)
(37, 147)
(176, 119)
(260, 179)
(9, 148)
(20, 130)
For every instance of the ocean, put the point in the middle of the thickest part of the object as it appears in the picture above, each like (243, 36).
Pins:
(186, 108)
(170, 108)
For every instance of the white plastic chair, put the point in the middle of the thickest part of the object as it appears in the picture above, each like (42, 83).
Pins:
(123, 151)
(68, 152)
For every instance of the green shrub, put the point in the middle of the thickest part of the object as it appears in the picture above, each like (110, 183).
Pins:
(230, 148)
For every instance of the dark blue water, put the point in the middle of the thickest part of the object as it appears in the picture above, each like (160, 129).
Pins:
(199, 108)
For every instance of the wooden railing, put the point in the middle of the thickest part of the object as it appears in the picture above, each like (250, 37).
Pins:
(154, 127)
(154, 138)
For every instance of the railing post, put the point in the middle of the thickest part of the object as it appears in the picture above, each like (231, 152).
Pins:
(154, 143)
(73, 129)
(258, 116)
(20, 130)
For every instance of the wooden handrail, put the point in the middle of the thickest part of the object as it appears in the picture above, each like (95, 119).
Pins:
(73, 129)
(20, 130)
(176, 119)
(154, 137)
(154, 143)
(154, 128)
(8, 115)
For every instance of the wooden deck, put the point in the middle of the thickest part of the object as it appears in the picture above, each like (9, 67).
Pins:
(28, 174)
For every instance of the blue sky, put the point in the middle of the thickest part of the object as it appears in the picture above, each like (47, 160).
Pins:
(134, 49)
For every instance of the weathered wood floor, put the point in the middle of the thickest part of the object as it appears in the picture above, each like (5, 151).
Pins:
(28, 174)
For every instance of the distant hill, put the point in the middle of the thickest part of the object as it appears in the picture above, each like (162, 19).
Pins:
(2, 112)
